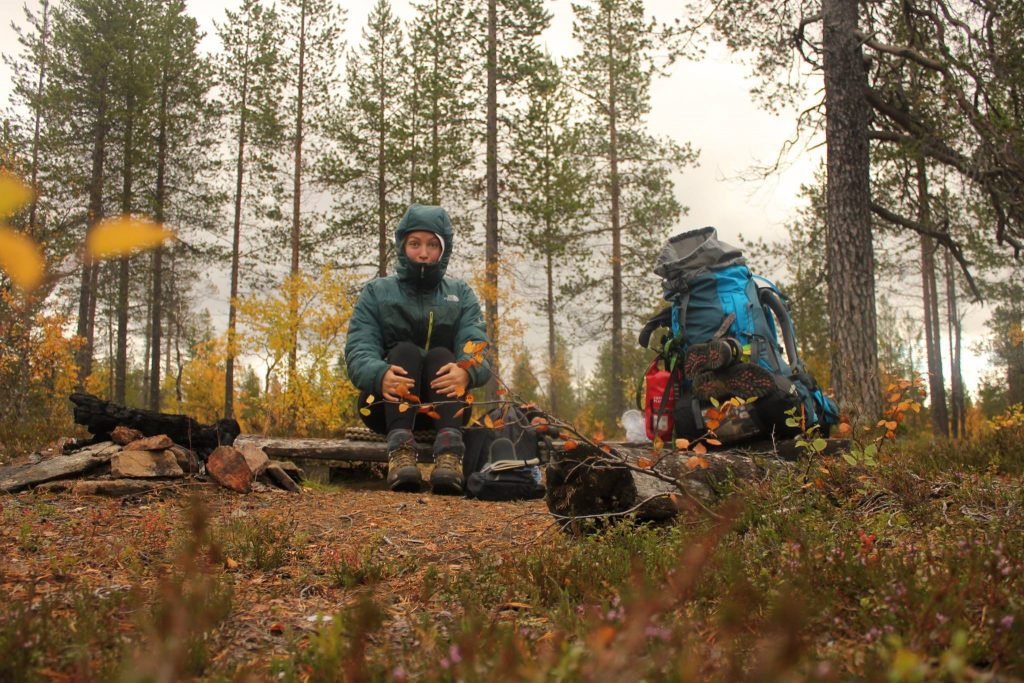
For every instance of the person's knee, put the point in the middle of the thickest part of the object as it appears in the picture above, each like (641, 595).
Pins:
(439, 355)
(405, 354)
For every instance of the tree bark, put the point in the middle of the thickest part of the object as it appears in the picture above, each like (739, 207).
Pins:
(552, 340)
(101, 417)
(87, 291)
(293, 351)
(929, 286)
(156, 330)
(617, 397)
(33, 212)
(326, 450)
(236, 242)
(956, 383)
(491, 228)
(852, 317)
(123, 268)
(382, 189)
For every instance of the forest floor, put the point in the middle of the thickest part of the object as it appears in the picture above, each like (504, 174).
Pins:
(909, 570)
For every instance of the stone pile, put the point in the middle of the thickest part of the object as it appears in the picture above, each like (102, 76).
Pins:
(132, 463)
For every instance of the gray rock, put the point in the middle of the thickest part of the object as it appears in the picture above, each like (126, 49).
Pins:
(256, 458)
(150, 443)
(145, 465)
(187, 459)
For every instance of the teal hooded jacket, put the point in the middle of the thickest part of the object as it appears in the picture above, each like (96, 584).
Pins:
(417, 304)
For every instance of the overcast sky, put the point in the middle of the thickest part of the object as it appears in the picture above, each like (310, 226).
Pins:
(705, 103)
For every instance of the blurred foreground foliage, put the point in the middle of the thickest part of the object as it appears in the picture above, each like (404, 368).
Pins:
(911, 569)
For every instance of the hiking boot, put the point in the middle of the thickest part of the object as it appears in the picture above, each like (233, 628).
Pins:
(745, 380)
(446, 479)
(713, 355)
(403, 474)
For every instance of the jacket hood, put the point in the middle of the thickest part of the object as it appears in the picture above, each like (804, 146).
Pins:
(430, 219)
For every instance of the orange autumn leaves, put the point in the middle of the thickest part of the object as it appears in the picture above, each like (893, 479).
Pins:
(21, 258)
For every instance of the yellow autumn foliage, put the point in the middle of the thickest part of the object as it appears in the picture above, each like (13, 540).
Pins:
(37, 372)
(318, 399)
(202, 384)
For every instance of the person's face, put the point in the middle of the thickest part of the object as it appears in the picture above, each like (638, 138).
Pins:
(423, 247)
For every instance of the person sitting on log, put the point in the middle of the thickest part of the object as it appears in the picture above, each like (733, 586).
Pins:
(407, 335)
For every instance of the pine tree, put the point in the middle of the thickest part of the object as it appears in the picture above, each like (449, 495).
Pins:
(80, 96)
(314, 29)
(549, 196)
(439, 106)
(508, 53)
(613, 73)
(183, 80)
(249, 78)
(134, 79)
(368, 166)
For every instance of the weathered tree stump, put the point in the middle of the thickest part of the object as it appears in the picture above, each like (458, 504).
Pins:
(102, 417)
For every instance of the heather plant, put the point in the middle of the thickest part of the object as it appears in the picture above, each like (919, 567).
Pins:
(261, 542)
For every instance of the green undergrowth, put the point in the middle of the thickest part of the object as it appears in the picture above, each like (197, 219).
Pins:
(910, 570)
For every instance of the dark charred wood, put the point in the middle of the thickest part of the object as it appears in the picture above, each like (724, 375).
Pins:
(101, 417)
(655, 485)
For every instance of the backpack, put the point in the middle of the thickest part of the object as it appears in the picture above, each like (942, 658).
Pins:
(504, 463)
(724, 326)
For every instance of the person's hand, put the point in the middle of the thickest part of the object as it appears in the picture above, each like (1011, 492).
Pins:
(451, 381)
(396, 383)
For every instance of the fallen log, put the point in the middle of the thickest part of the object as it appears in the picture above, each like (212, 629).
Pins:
(18, 477)
(326, 451)
(102, 417)
(652, 485)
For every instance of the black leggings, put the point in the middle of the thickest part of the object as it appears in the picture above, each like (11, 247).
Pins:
(422, 368)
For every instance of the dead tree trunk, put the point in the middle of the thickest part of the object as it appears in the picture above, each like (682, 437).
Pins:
(101, 417)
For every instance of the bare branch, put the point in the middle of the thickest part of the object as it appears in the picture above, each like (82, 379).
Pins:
(942, 238)
(901, 51)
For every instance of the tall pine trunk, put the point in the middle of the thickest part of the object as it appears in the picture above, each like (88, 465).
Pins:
(156, 331)
(123, 267)
(851, 264)
(491, 227)
(929, 286)
(87, 290)
(293, 303)
(382, 189)
(236, 245)
(33, 212)
(549, 268)
(617, 398)
(956, 383)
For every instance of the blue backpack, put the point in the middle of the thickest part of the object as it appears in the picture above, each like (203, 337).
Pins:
(724, 340)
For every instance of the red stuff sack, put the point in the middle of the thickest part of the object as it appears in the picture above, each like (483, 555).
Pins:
(659, 400)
